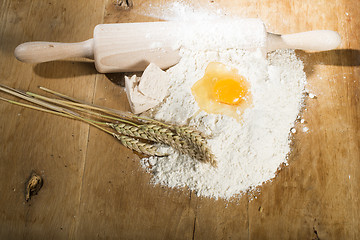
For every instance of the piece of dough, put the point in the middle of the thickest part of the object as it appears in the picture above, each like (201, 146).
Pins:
(154, 82)
(147, 91)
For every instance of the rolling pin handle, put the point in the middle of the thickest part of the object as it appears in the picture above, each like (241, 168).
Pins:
(38, 52)
(319, 40)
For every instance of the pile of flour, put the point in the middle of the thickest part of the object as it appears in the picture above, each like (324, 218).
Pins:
(248, 152)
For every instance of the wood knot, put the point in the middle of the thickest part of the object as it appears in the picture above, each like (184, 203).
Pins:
(33, 185)
(124, 4)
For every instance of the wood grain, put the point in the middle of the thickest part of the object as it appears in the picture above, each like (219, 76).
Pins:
(95, 188)
(53, 147)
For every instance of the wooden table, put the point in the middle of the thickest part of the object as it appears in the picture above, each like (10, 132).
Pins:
(95, 188)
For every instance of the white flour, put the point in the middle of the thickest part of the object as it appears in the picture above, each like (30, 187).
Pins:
(248, 153)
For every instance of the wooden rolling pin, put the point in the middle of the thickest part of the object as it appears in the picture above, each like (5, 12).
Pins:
(126, 47)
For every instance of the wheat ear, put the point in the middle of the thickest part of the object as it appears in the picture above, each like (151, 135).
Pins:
(198, 141)
(165, 135)
(130, 130)
(138, 146)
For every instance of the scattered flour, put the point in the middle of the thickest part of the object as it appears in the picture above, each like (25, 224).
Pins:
(305, 129)
(311, 95)
(178, 10)
(248, 152)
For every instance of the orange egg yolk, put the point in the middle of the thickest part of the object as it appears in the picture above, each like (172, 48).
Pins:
(229, 91)
(222, 91)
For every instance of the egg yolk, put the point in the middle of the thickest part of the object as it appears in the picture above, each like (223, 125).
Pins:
(229, 91)
(222, 91)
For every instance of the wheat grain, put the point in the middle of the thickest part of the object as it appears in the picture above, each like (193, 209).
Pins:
(131, 131)
(158, 134)
(198, 141)
(136, 145)
(189, 142)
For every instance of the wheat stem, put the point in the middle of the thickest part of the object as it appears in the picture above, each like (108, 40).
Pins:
(128, 142)
(18, 94)
(34, 107)
(91, 106)
(69, 105)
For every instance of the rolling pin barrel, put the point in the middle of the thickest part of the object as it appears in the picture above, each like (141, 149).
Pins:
(38, 52)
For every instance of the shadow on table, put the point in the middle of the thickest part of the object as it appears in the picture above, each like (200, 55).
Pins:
(119, 78)
(338, 57)
(64, 69)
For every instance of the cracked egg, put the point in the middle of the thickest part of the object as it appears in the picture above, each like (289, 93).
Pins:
(222, 91)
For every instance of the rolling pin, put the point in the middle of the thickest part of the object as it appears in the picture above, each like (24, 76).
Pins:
(128, 47)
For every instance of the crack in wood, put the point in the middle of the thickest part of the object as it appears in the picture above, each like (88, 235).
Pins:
(316, 234)
(193, 235)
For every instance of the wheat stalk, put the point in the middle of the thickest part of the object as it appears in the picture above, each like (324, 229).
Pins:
(184, 139)
(128, 142)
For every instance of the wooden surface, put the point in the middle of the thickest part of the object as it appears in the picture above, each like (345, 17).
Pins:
(95, 189)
